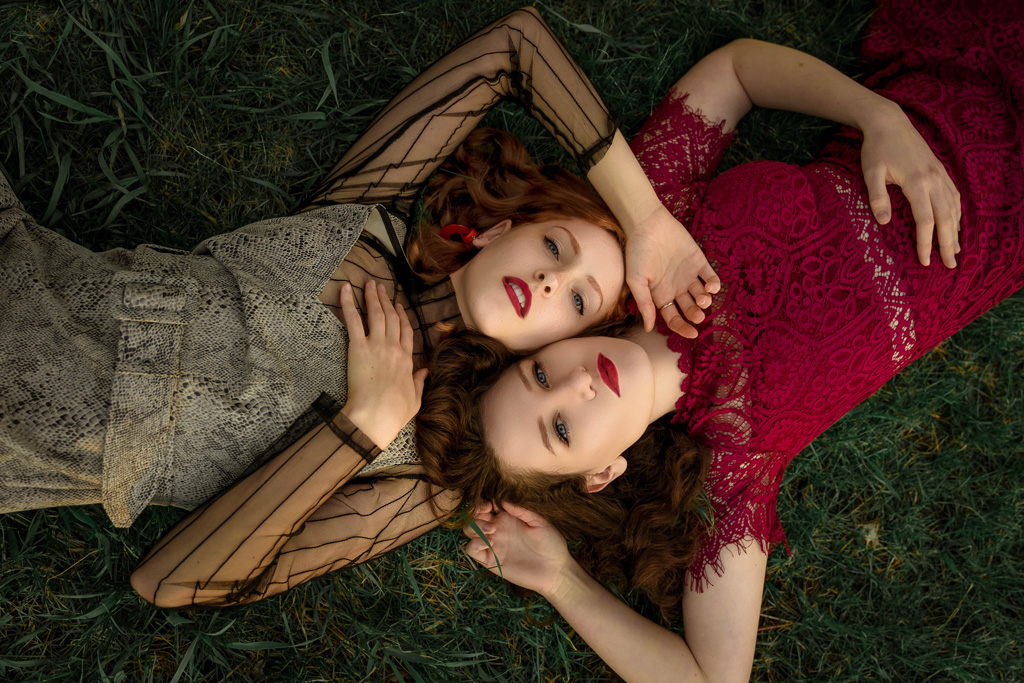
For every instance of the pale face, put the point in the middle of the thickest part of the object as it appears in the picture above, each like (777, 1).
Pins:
(572, 407)
(536, 283)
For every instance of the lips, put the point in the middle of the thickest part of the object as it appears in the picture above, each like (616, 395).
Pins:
(519, 294)
(609, 375)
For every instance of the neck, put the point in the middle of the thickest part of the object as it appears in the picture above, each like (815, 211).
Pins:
(458, 286)
(665, 364)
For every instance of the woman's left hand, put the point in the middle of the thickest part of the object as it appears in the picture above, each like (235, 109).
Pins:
(383, 391)
(894, 153)
(667, 270)
(521, 546)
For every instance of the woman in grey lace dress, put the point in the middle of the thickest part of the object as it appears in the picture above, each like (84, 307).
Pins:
(159, 376)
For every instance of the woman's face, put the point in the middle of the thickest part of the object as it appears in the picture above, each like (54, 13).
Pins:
(572, 407)
(539, 282)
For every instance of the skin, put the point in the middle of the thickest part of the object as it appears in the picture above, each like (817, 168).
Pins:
(721, 622)
(546, 411)
(554, 411)
(573, 271)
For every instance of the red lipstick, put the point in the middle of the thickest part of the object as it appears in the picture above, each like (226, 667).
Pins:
(608, 373)
(519, 294)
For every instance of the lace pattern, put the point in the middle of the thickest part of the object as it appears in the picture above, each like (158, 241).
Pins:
(822, 305)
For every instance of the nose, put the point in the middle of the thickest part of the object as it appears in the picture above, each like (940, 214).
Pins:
(580, 385)
(548, 281)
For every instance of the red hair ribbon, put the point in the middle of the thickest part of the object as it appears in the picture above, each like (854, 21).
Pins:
(458, 233)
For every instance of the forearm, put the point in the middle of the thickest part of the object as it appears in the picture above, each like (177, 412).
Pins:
(624, 186)
(636, 648)
(226, 545)
(516, 57)
(779, 77)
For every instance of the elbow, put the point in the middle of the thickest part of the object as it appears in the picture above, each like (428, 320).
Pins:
(533, 13)
(527, 20)
(159, 594)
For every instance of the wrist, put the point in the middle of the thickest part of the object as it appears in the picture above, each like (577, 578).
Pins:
(880, 115)
(567, 584)
(624, 186)
(365, 420)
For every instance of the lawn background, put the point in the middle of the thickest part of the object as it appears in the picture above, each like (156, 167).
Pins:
(156, 121)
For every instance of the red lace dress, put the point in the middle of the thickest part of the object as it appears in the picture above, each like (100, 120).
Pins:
(822, 305)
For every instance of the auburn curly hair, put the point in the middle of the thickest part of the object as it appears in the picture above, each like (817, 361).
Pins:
(643, 528)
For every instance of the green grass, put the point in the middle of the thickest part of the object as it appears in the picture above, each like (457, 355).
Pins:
(126, 122)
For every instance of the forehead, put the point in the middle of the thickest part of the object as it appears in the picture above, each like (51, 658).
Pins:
(511, 413)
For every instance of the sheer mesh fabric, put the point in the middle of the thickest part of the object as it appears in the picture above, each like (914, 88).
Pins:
(287, 523)
(516, 57)
(306, 512)
(823, 305)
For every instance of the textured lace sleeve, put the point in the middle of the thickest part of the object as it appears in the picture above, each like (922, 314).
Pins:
(679, 151)
(743, 490)
(293, 519)
(516, 57)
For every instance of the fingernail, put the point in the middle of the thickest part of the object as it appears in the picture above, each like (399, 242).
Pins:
(883, 217)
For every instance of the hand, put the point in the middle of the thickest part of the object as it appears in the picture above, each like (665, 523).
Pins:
(383, 391)
(666, 269)
(532, 553)
(894, 153)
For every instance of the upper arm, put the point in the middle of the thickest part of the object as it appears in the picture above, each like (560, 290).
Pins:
(721, 622)
(714, 88)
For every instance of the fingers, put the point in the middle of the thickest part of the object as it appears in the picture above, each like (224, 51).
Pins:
(712, 283)
(405, 329)
(382, 318)
(878, 195)
(350, 312)
(479, 551)
(951, 207)
(523, 515)
(375, 320)
(642, 294)
(946, 230)
(691, 310)
(921, 207)
(700, 296)
(677, 324)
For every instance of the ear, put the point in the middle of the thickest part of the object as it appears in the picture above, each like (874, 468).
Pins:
(598, 480)
(492, 233)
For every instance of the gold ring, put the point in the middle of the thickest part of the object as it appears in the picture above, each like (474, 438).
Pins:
(662, 308)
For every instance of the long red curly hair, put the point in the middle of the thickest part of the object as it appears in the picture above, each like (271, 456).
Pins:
(642, 530)
(489, 178)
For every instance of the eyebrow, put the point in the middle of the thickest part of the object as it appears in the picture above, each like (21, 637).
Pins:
(540, 420)
(590, 278)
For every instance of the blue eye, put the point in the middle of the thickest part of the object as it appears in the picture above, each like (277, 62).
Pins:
(562, 430)
(577, 301)
(552, 247)
(538, 372)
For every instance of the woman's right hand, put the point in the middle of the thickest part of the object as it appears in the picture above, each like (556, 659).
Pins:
(894, 153)
(532, 553)
(383, 391)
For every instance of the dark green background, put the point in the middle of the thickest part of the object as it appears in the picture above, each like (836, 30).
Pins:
(157, 121)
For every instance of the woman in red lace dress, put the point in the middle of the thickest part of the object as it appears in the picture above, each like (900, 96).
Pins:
(821, 303)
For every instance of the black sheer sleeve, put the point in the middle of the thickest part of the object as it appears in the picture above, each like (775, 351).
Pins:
(295, 518)
(299, 515)
(516, 57)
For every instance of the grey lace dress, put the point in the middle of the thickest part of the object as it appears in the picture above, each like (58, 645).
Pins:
(154, 376)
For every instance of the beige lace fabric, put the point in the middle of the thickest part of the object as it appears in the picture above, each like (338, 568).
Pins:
(157, 376)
